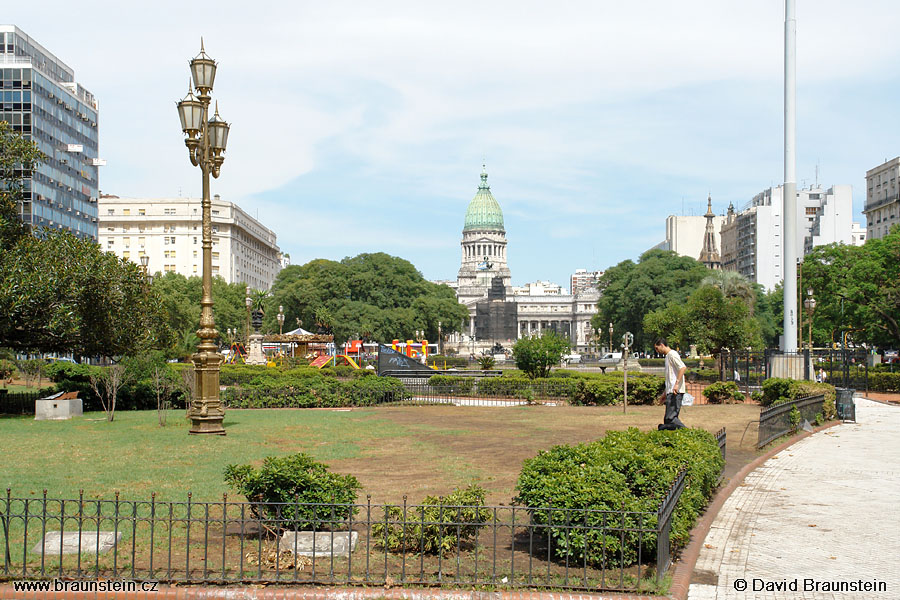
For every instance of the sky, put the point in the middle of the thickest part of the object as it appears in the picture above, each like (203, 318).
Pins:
(363, 126)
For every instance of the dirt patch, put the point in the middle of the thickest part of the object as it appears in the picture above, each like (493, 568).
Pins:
(445, 446)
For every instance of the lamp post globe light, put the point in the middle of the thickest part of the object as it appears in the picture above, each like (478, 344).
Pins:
(610, 337)
(205, 139)
(280, 318)
(810, 305)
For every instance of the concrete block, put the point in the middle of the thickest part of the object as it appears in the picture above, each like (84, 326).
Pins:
(339, 543)
(90, 542)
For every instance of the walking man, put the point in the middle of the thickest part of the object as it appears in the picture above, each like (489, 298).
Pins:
(674, 384)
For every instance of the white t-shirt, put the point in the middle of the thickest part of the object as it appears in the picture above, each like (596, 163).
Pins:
(673, 365)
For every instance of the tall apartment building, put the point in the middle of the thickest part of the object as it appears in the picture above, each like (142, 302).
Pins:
(169, 232)
(752, 240)
(40, 98)
(583, 280)
(882, 198)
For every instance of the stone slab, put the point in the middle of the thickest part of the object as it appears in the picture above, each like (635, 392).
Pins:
(57, 409)
(339, 543)
(49, 546)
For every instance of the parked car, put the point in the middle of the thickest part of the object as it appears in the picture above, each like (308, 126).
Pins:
(572, 359)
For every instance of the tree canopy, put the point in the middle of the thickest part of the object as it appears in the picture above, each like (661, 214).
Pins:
(857, 289)
(630, 290)
(708, 319)
(374, 296)
(59, 293)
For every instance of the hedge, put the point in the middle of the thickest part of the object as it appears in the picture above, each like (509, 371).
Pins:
(630, 470)
(606, 390)
(453, 385)
(884, 382)
(777, 390)
(317, 392)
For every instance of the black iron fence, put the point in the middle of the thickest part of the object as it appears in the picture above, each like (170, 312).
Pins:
(18, 403)
(842, 368)
(336, 544)
(782, 419)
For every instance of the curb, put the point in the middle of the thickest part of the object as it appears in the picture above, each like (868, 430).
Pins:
(681, 575)
(310, 593)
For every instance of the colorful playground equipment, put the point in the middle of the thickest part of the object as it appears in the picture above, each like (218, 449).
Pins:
(326, 360)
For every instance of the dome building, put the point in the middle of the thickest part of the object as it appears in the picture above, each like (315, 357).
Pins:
(483, 248)
(499, 313)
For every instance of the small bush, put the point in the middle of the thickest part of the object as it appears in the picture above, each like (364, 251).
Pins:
(486, 362)
(723, 392)
(434, 526)
(757, 397)
(774, 389)
(570, 485)
(296, 489)
(609, 389)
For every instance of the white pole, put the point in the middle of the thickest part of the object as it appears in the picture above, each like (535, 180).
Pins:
(790, 177)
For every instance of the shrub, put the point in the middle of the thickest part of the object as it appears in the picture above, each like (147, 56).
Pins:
(71, 377)
(774, 389)
(433, 527)
(298, 489)
(536, 355)
(316, 392)
(525, 388)
(609, 389)
(884, 382)
(7, 369)
(628, 470)
(757, 397)
(486, 362)
(723, 392)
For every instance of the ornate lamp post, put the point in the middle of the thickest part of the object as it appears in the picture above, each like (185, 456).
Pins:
(810, 305)
(206, 140)
(610, 337)
(248, 301)
(280, 318)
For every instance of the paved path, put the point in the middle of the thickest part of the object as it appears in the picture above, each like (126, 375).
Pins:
(827, 509)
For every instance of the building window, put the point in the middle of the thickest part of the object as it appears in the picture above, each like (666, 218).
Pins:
(109, 243)
(110, 211)
(195, 238)
(142, 212)
(169, 211)
(127, 242)
(169, 268)
(126, 255)
(110, 228)
(126, 211)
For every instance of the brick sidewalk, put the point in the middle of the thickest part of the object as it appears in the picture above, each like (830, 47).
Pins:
(817, 510)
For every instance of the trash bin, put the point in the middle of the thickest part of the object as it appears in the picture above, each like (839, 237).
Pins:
(844, 405)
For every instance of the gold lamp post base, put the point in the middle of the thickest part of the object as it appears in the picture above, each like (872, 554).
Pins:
(207, 413)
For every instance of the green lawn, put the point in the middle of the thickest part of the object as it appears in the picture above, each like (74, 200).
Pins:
(414, 450)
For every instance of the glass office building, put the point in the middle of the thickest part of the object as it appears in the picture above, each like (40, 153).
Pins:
(40, 98)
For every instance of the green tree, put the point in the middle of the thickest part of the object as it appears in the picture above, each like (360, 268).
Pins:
(857, 288)
(180, 298)
(536, 355)
(629, 291)
(709, 320)
(18, 158)
(376, 296)
(733, 285)
(62, 294)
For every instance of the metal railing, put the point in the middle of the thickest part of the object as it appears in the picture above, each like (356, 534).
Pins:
(336, 544)
(775, 421)
(18, 403)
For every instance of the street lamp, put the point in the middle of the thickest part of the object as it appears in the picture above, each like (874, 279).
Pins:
(205, 139)
(280, 318)
(610, 337)
(249, 302)
(810, 305)
(145, 261)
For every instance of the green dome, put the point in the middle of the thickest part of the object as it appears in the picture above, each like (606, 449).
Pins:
(484, 211)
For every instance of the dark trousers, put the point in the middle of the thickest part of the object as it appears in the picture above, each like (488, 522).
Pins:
(673, 407)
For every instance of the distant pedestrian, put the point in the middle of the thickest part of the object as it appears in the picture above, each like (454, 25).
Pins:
(675, 369)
